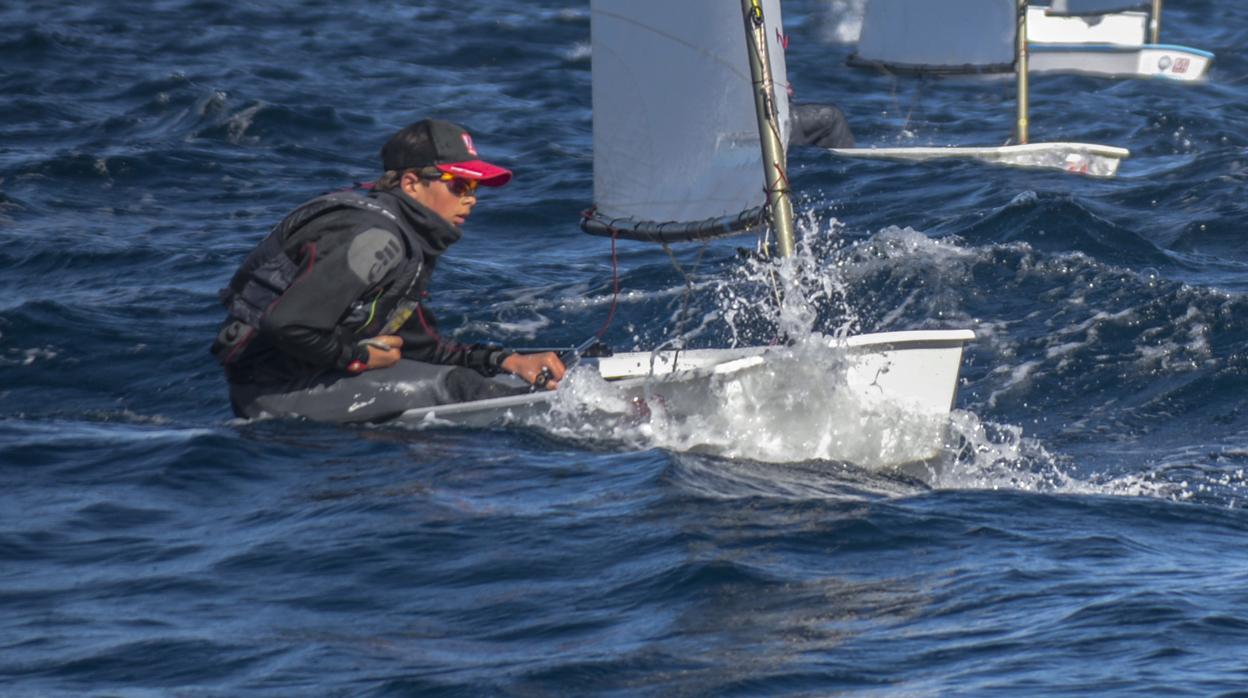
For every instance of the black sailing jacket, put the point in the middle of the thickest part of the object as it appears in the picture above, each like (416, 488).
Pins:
(352, 264)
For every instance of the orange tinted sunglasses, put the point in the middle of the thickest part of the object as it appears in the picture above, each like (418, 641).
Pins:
(458, 185)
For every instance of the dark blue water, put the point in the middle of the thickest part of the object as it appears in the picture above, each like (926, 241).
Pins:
(1084, 537)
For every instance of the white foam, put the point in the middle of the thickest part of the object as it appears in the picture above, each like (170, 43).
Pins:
(26, 357)
(793, 412)
(844, 21)
(795, 406)
(579, 52)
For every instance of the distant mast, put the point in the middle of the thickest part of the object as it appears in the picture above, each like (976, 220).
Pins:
(1154, 23)
(776, 182)
(1020, 69)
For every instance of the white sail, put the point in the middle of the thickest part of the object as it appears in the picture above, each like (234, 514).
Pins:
(1095, 7)
(944, 36)
(675, 132)
(1047, 26)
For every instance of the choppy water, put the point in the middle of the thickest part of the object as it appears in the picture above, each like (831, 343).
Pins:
(1085, 535)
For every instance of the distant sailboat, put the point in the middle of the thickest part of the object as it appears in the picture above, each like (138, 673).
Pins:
(1109, 38)
(967, 37)
(689, 143)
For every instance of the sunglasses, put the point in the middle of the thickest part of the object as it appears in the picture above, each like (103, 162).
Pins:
(457, 185)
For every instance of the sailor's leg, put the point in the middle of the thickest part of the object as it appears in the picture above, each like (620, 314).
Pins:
(465, 385)
(372, 395)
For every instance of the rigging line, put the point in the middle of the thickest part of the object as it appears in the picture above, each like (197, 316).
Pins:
(615, 285)
(914, 102)
(689, 286)
(893, 82)
(654, 354)
(764, 252)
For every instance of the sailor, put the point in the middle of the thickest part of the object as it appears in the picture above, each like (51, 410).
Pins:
(326, 318)
(820, 125)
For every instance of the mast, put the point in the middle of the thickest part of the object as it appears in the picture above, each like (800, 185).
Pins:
(1020, 69)
(776, 182)
(1154, 23)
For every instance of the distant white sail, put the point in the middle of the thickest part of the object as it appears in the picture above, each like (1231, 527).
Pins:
(1095, 7)
(939, 36)
(675, 131)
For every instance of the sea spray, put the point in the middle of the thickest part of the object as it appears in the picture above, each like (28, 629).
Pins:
(812, 399)
(799, 406)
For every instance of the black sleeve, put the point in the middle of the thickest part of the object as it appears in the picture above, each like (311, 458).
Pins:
(339, 267)
(421, 342)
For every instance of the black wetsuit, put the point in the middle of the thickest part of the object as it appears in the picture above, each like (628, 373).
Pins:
(351, 264)
(820, 125)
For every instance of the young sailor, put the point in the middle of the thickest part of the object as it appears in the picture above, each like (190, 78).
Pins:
(325, 319)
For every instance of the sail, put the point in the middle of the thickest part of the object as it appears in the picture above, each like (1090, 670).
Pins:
(677, 153)
(949, 36)
(1095, 7)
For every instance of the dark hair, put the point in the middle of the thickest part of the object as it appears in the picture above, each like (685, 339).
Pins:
(390, 179)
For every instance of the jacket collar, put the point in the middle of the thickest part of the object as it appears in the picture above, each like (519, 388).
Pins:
(430, 228)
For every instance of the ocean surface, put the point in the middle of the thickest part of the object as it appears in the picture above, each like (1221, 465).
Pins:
(1085, 531)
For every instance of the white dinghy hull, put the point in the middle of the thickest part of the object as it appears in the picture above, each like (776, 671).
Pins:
(1113, 45)
(1163, 61)
(911, 374)
(1076, 158)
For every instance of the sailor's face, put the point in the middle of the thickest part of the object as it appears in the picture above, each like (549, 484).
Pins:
(452, 200)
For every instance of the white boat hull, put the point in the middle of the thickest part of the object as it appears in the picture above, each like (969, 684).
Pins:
(1077, 158)
(885, 375)
(1162, 61)
(1109, 45)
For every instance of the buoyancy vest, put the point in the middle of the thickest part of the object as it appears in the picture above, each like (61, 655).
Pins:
(268, 272)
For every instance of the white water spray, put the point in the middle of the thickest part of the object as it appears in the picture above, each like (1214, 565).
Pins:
(813, 399)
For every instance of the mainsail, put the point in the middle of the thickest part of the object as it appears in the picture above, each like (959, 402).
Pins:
(677, 154)
(950, 36)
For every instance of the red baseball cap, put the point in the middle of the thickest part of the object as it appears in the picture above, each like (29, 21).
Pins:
(443, 145)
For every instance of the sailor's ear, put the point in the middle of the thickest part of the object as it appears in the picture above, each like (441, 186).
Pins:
(409, 181)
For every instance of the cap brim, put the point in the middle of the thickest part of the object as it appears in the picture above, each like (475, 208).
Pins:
(483, 172)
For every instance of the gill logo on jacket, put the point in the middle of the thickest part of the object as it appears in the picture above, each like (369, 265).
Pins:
(373, 253)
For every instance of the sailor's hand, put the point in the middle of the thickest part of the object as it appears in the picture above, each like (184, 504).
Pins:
(543, 370)
(383, 351)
